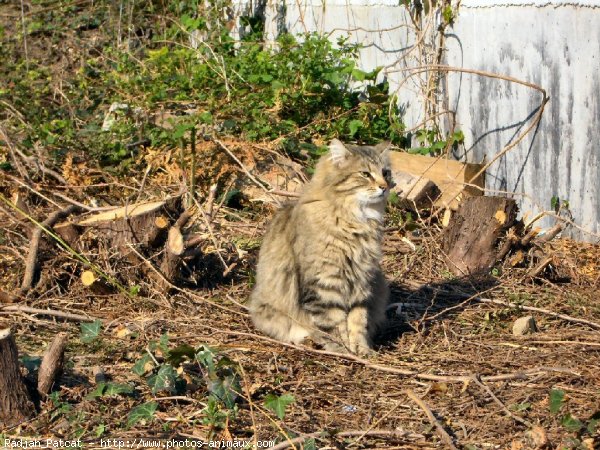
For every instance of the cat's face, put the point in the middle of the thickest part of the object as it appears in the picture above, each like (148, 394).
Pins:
(359, 171)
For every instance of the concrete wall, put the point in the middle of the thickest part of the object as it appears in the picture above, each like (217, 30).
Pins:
(554, 44)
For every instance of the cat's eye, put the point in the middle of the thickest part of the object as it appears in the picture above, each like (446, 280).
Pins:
(367, 175)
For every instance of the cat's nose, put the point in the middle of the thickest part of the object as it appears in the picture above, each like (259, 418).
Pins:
(382, 183)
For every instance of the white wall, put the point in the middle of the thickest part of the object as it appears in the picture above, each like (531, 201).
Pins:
(554, 44)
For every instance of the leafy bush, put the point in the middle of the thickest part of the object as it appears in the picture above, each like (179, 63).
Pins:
(301, 89)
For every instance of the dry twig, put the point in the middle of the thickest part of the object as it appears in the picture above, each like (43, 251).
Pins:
(48, 312)
(444, 436)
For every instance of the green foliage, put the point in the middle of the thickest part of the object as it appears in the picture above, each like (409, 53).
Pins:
(142, 413)
(432, 144)
(90, 331)
(557, 397)
(166, 370)
(570, 422)
(110, 389)
(300, 88)
(164, 380)
(278, 403)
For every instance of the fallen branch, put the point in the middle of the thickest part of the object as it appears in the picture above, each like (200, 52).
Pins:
(48, 312)
(52, 363)
(486, 388)
(444, 436)
(32, 256)
(534, 272)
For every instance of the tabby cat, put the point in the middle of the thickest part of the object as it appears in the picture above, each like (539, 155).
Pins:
(318, 272)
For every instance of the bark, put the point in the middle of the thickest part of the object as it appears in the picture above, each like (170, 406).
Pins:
(15, 403)
(472, 239)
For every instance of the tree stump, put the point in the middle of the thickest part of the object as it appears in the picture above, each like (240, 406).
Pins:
(15, 403)
(471, 240)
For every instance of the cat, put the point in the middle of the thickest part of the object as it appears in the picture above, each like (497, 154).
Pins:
(319, 273)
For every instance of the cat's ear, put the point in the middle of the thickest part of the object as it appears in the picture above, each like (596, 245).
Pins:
(338, 152)
(383, 146)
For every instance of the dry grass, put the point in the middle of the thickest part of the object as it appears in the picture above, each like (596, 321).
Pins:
(485, 387)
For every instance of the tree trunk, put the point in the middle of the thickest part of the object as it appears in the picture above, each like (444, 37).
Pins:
(471, 241)
(15, 404)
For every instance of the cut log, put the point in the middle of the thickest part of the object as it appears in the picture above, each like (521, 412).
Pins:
(455, 180)
(472, 237)
(15, 403)
(414, 191)
(142, 223)
(96, 284)
(52, 364)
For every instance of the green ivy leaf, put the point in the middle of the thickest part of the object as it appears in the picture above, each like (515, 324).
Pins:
(143, 365)
(225, 389)
(571, 423)
(163, 345)
(310, 444)
(557, 398)
(164, 380)
(521, 406)
(109, 390)
(205, 357)
(144, 412)
(90, 331)
(278, 403)
(593, 423)
(359, 75)
(99, 430)
(114, 389)
(98, 392)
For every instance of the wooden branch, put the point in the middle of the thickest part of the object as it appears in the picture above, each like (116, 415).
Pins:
(15, 403)
(486, 388)
(31, 266)
(210, 201)
(534, 272)
(549, 235)
(52, 364)
(444, 436)
(48, 312)
(32, 162)
(241, 165)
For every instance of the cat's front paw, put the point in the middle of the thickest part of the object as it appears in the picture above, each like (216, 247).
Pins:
(363, 352)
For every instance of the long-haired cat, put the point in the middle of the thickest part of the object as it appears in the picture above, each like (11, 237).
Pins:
(319, 272)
